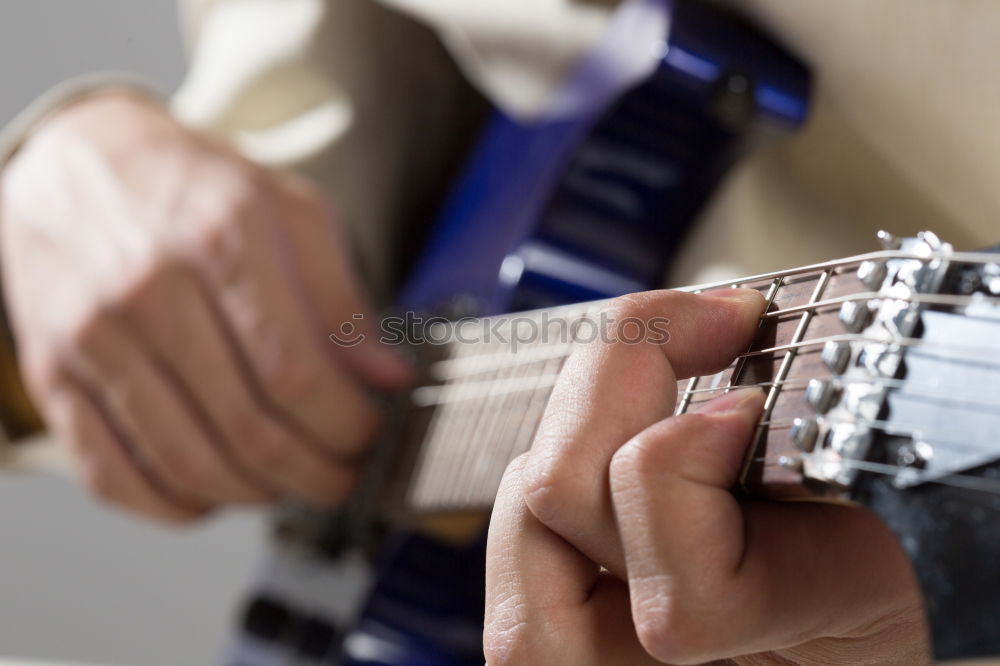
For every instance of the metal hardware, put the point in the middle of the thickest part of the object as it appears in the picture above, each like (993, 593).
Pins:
(822, 394)
(855, 315)
(789, 462)
(836, 355)
(914, 454)
(888, 241)
(872, 274)
(805, 433)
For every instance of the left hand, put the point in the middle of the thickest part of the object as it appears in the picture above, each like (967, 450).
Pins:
(617, 540)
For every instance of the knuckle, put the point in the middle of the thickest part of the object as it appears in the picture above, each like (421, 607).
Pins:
(506, 650)
(649, 455)
(217, 235)
(666, 628)
(661, 634)
(237, 199)
(549, 486)
(219, 239)
(655, 635)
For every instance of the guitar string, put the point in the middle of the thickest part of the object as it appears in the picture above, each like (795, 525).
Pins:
(432, 396)
(512, 446)
(559, 353)
(444, 370)
(960, 257)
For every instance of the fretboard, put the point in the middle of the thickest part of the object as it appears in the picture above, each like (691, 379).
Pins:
(481, 402)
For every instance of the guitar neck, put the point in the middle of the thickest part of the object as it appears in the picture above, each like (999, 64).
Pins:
(486, 389)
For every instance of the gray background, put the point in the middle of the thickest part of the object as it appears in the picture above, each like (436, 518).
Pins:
(78, 582)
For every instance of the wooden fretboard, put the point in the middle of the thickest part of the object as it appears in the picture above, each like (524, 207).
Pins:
(481, 402)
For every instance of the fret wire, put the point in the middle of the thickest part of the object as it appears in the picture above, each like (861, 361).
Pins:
(783, 370)
(685, 400)
(741, 363)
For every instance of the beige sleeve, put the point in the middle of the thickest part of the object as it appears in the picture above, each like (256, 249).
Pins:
(363, 99)
(516, 51)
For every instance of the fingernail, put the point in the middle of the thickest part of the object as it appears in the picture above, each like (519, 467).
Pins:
(737, 294)
(749, 399)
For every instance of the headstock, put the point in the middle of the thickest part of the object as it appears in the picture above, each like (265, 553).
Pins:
(896, 406)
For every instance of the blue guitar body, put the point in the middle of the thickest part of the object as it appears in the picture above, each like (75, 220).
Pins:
(566, 209)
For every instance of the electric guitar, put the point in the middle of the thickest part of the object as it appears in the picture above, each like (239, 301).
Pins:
(881, 373)
(588, 201)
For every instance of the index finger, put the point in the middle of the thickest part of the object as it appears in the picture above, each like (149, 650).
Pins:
(609, 391)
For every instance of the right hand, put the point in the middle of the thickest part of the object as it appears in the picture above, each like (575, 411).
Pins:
(172, 304)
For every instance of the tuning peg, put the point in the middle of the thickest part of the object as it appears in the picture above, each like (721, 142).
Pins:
(855, 315)
(822, 394)
(804, 434)
(872, 274)
(888, 241)
(836, 355)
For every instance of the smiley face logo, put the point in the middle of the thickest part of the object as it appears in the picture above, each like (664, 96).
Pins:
(349, 334)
